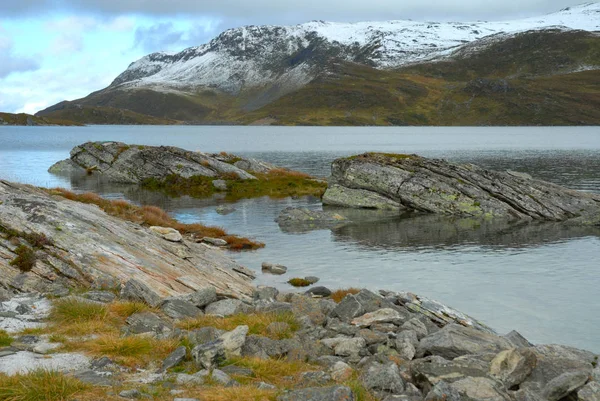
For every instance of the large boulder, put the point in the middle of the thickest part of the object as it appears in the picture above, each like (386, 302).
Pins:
(79, 245)
(454, 340)
(513, 366)
(437, 186)
(132, 164)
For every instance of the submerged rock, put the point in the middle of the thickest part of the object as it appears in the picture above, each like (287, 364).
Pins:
(132, 164)
(437, 186)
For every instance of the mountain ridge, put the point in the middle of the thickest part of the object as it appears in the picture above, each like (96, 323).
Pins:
(246, 69)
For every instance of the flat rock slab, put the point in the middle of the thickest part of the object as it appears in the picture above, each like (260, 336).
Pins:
(23, 362)
(85, 246)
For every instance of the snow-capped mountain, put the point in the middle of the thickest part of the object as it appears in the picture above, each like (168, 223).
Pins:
(290, 56)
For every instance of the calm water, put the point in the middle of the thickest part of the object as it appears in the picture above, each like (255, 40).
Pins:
(540, 279)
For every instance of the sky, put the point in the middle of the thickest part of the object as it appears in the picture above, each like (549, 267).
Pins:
(54, 50)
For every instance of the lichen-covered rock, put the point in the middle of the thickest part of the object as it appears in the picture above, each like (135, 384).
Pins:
(513, 366)
(334, 393)
(437, 186)
(132, 164)
(480, 389)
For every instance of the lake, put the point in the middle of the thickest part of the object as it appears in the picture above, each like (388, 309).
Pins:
(539, 279)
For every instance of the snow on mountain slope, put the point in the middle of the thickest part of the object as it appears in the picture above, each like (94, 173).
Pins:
(288, 57)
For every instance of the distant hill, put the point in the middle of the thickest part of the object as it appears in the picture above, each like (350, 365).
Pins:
(28, 119)
(536, 71)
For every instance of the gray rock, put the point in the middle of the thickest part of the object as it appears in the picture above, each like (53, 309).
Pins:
(306, 219)
(333, 393)
(406, 348)
(170, 234)
(273, 268)
(225, 209)
(337, 326)
(434, 369)
(233, 341)
(179, 309)
(589, 392)
(186, 399)
(134, 290)
(265, 293)
(318, 378)
(226, 307)
(209, 355)
(384, 378)
(264, 306)
(265, 386)
(455, 340)
(234, 370)
(417, 326)
(348, 309)
(214, 241)
(222, 378)
(513, 366)
(319, 292)
(174, 359)
(101, 379)
(442, 391)
(337, 195)
(221, 185)
(204, 335)
(372, 336)
(564, 385)
(104, 364)
(100, 296)
(265, 348)
(341, 371)
(480, 388)
(436, 186)
(343, 346)
(385, 315)
(517, 340)
(146, 322)
(130, 394)
(312, 279)
(202, 297)
(596, 375)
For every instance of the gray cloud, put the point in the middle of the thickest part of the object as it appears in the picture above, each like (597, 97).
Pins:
(164, 36)
(10, 63)
(235, 12)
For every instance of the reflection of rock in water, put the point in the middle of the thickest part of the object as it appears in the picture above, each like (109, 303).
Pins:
(434, 231)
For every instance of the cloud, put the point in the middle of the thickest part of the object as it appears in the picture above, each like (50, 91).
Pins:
(166, 36)
(277, 11)
(9, 63)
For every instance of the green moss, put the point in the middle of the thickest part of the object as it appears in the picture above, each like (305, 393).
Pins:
(5, 339)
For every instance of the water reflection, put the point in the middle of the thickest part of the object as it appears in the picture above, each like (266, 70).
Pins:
(432, 231)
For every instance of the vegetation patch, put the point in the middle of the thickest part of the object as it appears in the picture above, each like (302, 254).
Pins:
(40, 385)
(246, 393)
(338, 295)
(257, 323)
(5, 339)
(154, 216)
(25, 260)
(274, 371)
(278, 183)
(299, 282)
(130, 351)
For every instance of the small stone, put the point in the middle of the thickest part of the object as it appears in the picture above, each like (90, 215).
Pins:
(417, 326)
(130, 394)
(100, 296)
(234, 340)
(221, 185)
(333, 393)
(341, 371)
(209, 355)
(45, 348)
(214, 241)
(202, 297)
(225, 209)
(226, 307)
(223, 378)
(179, 309)
(234, 370)
(265, 386)
(204, 335)
(318, 378)
(138, 291)
(174, 359)
(385, 378)
(146, 322)
(443, 392)
(265, 293)
(274, 268)
(101, 379)
(319, 292)
(385, 315)
(312, 279)
(170, 234)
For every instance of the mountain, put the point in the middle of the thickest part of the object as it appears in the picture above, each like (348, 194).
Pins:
(541, 70)
(29, 120)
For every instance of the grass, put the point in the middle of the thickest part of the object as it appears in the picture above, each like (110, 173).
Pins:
(338, 295)
(124, 309)
(70, 310)
(245, 393)
(278, 183)
(299, 282)
(155, 216)
(257, 323)
(40, 385)
(25, 259)
(273, 371)
(5, 339)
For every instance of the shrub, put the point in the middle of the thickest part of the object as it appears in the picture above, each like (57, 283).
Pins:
(25, 260)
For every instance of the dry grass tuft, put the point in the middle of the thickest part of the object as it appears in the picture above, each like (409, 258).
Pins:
(5, 339)
(124, 309)
(155, 216)
(299, 282)
(131, 350)
(40, 385)
(257, 323)
(274, 371)
(71, 310)
(338, 295)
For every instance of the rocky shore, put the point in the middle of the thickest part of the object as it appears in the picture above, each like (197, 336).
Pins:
(96, 307)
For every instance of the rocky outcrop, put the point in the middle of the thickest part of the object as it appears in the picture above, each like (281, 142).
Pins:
(48, 243)
(132, 164)
(414, 183)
